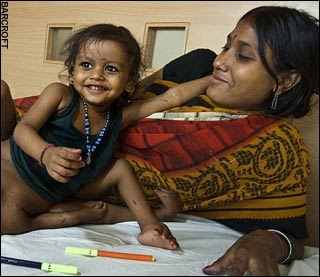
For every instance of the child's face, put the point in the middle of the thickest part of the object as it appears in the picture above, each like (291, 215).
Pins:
(101, 72)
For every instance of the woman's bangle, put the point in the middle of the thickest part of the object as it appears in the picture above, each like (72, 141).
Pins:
(42, 153)
(288, 243)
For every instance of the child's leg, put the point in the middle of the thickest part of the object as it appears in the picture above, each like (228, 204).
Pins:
(73, 205)
(113, 214)
(170, 205)
(23, 210)
(169, 209)
(152, 231)
(15, 220)
(99, 189)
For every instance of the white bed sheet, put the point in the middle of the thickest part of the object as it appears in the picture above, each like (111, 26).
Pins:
(202, 241)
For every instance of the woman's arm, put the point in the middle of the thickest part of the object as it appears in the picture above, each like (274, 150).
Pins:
(258, 252)
(173, 97)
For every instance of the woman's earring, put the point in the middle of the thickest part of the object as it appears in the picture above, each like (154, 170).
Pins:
(275, 101)
(71, 81)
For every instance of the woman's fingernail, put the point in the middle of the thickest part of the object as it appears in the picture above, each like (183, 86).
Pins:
(207, 270)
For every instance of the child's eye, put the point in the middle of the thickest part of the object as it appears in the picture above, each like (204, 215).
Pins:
(110, 68)
(86, 64)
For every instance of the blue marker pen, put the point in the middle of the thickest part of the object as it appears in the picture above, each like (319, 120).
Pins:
(42, 266)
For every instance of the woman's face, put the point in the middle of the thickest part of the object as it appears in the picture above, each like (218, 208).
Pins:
(239, 79)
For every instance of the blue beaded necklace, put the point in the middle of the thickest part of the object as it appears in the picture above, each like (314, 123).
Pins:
(92, 148)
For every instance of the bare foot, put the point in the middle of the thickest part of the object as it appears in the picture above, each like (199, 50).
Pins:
(88, 214)
(73, 205)
(158, 235)
(94, 211)
(170, 205)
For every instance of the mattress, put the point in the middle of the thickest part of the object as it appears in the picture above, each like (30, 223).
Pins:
(202, 241)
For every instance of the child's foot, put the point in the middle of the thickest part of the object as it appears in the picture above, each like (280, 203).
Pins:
(73, 205)
(90, 214)
(158, 235)
(170, 205)
(93, 211)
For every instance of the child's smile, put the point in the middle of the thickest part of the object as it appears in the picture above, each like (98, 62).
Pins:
(95, 89)
(101, 72)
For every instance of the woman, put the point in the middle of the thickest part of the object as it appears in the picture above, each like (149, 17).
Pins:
(268, 69)
(256, 71)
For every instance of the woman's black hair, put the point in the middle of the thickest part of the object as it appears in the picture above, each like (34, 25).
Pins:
(101, 32)
(293, 37)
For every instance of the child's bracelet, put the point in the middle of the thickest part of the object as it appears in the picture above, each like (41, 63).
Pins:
(42, 153)
(288, 243)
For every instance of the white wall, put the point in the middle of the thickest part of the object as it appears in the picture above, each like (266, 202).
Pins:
(22, 63)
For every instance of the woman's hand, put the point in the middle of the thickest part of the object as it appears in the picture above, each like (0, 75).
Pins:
(257, 252)
(62, 163)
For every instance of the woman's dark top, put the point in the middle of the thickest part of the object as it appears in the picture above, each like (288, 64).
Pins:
(191, 66)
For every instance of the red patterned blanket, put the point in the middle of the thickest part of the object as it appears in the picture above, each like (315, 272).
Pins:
(246, 172)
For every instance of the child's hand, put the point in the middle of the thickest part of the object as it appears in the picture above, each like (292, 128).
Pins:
(62, 163)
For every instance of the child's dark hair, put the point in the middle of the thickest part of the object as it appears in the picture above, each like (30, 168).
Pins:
(293, 37)
(98, 33)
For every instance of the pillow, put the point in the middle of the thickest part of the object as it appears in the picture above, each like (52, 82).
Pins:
(23, 104)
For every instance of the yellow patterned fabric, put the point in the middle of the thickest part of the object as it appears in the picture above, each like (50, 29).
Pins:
(246, 171)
